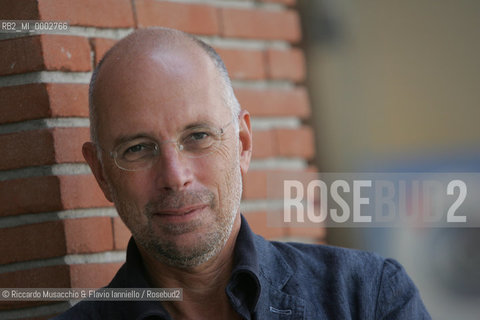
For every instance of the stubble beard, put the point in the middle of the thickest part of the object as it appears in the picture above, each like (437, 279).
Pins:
(207, 244)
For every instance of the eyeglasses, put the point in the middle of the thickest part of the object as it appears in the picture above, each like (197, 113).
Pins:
(142, 152)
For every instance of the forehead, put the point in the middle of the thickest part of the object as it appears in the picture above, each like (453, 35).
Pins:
(158, 91)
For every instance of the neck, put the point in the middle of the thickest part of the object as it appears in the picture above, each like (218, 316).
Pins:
(203, 286)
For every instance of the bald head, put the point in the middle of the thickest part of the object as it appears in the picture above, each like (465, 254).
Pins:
(149, 48)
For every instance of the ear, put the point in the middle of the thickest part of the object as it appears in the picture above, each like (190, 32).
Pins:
(245, 136)
(90, 154)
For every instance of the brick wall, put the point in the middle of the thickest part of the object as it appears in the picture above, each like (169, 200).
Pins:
(56, 228)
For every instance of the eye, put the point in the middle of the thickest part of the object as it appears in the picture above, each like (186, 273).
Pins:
(135, 148)
(137, 151)
(196, 136)
(198, 140)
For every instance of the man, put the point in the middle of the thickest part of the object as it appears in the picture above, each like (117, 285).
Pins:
(169, 148)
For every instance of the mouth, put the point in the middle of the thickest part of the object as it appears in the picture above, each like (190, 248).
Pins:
(182, 214)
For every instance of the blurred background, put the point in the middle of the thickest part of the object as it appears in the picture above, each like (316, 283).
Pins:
(395, 86)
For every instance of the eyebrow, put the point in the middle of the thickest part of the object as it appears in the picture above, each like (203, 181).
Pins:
(122, 139)
(199, 124)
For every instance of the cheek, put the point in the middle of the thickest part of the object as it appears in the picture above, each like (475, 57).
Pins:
(210, 173)
(133, 188)
(215, 168)
(222, 172)
(130, 198)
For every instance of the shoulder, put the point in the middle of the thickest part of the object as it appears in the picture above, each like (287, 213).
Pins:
(342, 281)
(322, 259)
(322, 265)
(330, 262)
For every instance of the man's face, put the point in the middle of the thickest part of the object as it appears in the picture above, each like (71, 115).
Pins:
(181, 210)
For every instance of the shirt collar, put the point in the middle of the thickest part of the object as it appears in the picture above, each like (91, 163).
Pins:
(135, 276)
(243, 289)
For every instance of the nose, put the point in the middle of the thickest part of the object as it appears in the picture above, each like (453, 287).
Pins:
(174, 171)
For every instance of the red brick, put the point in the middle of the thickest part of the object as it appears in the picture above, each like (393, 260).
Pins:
(258, 222)
(268, 184)
(31, 242)
(64, 276)
(55, 238)
(105, 13)
(93, 275)
(68, 99)
(68, 144)
(121, 234)
(255, 185)
(50, 193)
(21, 55)
(81, 191)
(42, 147)
(23, 102)
(88, 235)
(19, 10)
(263, 144)
(261, 24)
(295, 142)
(29, 195)
(28, 148)
(100, 47)
(40, 100)
(286, 64)
(275, 102)
(309, 231)
(66, 53)
(283, 142)
(285, 2)
(244, 64)
(46, 277)
(193, 18)
(44, 52)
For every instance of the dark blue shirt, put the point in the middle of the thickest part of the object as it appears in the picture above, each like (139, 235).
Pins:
(275, 280)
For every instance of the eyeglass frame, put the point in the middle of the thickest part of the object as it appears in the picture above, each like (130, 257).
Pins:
(178, 146)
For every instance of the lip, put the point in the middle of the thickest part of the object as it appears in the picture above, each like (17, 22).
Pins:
(181, 214)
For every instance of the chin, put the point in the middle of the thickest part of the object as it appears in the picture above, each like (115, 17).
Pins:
(184, 250)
